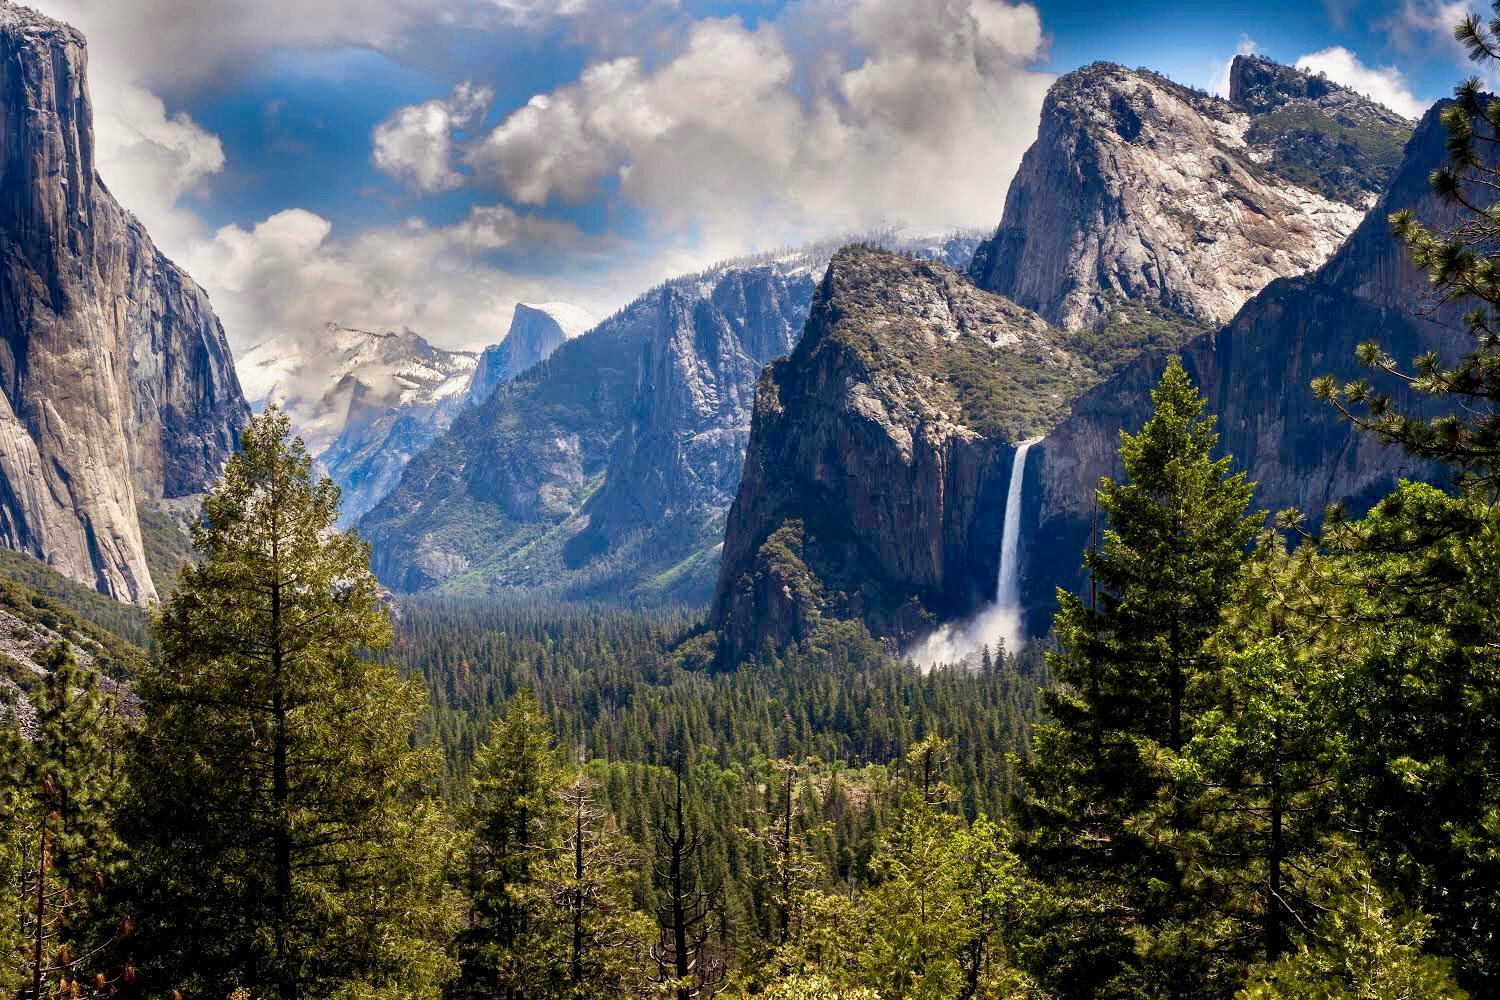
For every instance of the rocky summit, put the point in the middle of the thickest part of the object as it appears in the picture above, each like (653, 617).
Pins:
(1256, 374)
(1140, 189)
(873, 483)
(606, 471)
(1144, 217)
(364, 402)
(535, 332)
(118, 385)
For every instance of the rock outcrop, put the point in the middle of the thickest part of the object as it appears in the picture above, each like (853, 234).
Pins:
(1141, 189)
(116, 382)
(363, 402)
(606, 470)
(1145, 216)
(1256, 374)
(874, 482)
(535, 332)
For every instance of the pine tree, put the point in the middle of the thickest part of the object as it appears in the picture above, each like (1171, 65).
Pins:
(1421, 705)
(1265, 759)
(1108, 827)
(599, 939)
(690, 964)
(515, 820)
(65, 813)
(283, 836)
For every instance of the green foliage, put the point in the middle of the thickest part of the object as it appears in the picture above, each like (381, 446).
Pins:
(1344, 159)
(1110, 823)
(514, 817)
(169, 546)
(1361, 951)
(938, 918)
(1128, 329)
(114, 633)
(65, 853)
(283, 839)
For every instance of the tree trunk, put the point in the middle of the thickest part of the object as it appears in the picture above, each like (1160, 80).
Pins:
(1275, 933)
(281, 796)
(38, 960)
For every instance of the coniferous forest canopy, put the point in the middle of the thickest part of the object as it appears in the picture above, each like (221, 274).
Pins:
(1257, 754)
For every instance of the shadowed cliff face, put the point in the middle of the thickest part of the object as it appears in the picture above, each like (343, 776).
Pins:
(846, 512)
(1139, 188)
(1256, 375)
(117, 382)
(874, 482)
(606, 471)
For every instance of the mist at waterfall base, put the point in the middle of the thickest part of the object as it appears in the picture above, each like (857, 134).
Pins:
(999, 622)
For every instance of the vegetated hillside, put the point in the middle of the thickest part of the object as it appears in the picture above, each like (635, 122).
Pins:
(39, 607)
(605, 472)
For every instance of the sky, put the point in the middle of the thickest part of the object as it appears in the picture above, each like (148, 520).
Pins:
(426, 164)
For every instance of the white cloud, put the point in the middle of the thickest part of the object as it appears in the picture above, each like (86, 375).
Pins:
(415, 144)
(1220, 85)
(290, 274)
(1386, 85)
(149, 159)
(838, 115)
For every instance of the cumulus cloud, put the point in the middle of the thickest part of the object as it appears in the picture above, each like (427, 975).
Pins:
(1220, 84)
(150, 158)
(211, 40)
(415, 144)
(290, 274)
(839, 114)
(1386, 84)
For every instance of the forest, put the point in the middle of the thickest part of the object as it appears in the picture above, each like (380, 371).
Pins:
(1258, 757)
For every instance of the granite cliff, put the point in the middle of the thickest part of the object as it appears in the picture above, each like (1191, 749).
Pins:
(606, 470)
(874, 481)
(116, 382)
(535, 332)
(1255, 374)
(1138, 188)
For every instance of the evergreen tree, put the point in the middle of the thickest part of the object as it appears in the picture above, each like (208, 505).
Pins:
(1360, 950)
(1265, 759)
(689, 958)
(64, 815)
(1422, 704)
(1107, 826)
(14, 807)
(284, 841)
(516, 821)
(599, 939)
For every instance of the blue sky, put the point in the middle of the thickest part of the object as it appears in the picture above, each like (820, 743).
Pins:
(376, 162)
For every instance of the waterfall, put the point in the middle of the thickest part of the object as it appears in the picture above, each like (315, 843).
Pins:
(1001, 620)
(1008, 586)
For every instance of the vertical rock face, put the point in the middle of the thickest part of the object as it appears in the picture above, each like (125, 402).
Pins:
(1142, 189)
(116, 378)
(1256, 373)
(606, 470)
(874, 481)
(535, 332)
